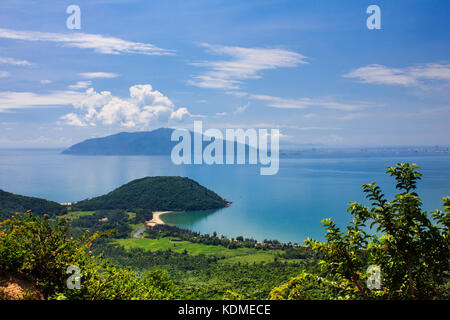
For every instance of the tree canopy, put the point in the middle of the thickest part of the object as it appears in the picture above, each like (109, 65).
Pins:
(406, 245)
(157, 194)
(11, 203)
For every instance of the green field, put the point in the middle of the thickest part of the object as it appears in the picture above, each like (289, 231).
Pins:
(242, 255)
(239, 255)
(72, 215)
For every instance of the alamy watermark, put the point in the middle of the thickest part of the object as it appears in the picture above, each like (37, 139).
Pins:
(74, 20)
(74, 280)
(221, 149)
(374, 279)
(373, 22)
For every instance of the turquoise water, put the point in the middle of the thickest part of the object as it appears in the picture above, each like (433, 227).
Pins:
(287, 206)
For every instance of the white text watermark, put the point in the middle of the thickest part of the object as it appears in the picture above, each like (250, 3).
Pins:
(250, 144)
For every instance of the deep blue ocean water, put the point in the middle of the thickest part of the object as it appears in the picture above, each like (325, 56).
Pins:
(287, 206)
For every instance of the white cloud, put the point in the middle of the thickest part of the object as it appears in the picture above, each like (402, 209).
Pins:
(241, 108)
(45, 81)
(98, 75)
(353, 116)
(4, 74)
(22, 100)
(433, 71)
(280, 135)
(80, 85)
(73, 120)
(221, 114)
(430, 112)
(246, 63)
(142, 107)
(303, 103)
(310, 116)
(14, 62)
(435, 112)
(316, 128)
(410, 76)
(238, 94)
(99, 43)
(330, 139)
(179, 114)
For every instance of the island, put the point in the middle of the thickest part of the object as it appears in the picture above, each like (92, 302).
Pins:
(163, 193)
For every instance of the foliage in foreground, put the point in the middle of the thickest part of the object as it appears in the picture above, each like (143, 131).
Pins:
(41, 251)
(207, 276)
(410, 246)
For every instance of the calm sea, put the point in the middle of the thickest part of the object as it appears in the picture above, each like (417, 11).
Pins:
(287, 206)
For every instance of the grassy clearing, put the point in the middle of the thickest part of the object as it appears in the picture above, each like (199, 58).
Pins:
(168, 243)
(72, 215)
(239, 255)
(131, 215)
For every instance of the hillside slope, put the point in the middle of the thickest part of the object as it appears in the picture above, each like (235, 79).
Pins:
(150, 143)
(155, 142)
(157, 194)
(11, 203)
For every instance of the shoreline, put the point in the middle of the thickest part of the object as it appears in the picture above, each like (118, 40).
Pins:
(156, 218)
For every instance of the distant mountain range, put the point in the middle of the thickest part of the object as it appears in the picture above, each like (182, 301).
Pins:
(156, 142)
(151, 143)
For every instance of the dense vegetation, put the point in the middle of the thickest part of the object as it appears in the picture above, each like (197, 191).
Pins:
(40, 251)
(157, 194)
(11, 203)
(208, 276)
(410, 248)
(160, 231)
(409, 245)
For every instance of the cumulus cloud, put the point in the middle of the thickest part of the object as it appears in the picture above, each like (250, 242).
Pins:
(245, 63)
(142, 107)
(98, 75)
(409, 76)
(73, 120)
(99, 43)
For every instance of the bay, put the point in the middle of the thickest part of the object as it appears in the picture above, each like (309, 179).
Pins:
(287, 206)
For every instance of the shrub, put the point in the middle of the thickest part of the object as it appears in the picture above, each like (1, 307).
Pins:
(41, 250)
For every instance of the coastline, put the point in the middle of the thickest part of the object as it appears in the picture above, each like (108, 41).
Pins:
(156, 218)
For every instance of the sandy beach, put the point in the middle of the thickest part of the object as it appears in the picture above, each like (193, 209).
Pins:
(156, 218)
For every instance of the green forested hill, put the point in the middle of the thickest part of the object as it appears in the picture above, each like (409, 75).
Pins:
(11, 203)
(157, 194)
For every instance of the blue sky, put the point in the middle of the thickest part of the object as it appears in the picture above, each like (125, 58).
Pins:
(310, 68)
